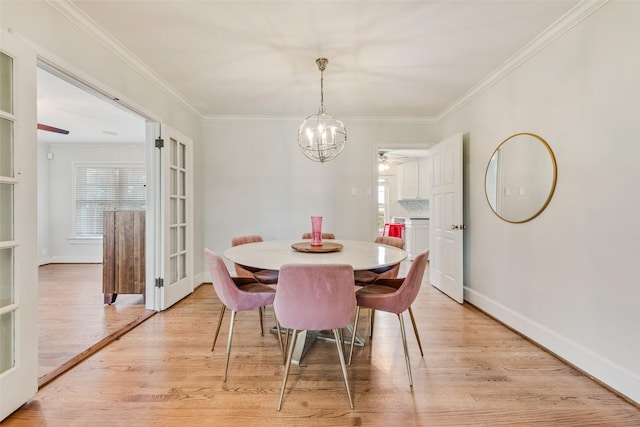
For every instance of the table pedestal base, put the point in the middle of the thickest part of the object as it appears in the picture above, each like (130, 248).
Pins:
(306, 339)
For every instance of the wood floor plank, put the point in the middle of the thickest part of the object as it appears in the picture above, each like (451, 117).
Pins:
(73, 320)
(474, 372)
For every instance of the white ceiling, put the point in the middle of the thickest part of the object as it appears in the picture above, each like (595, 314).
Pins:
(404, 59)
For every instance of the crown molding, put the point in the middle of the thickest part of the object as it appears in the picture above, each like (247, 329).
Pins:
(563, 24)
(74, 14)
(298, 119)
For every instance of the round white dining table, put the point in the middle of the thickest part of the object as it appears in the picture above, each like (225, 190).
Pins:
(273, 254)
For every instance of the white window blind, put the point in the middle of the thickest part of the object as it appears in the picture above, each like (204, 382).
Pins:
(100, 188)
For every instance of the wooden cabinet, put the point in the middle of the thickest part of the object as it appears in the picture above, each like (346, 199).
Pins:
(415, 179)
(123, 256)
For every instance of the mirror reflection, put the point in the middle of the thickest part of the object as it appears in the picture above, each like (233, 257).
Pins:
(520, 177)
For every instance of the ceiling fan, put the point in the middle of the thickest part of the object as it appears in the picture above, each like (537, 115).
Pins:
(386, 158)
(52, 129)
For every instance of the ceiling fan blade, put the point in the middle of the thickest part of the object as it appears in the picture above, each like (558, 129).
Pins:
(52, 129)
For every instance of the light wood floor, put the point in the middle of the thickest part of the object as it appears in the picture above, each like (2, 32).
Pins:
(72, 318)
(474, 372)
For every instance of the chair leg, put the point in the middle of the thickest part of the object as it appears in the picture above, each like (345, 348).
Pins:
(415, 329)
(215, 337)
(406, 350)
(282, 348)
(353, 335)
(233, 320)
(287, 365)
(260, 312)
(372, 318)
(342, 364)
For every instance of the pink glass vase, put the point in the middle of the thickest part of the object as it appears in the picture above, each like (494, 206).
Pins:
(316, 231)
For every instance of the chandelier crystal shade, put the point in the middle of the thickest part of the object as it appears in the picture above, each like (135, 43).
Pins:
(321, 136)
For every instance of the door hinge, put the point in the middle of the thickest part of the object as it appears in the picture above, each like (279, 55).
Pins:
(159, 283)
(159, 142)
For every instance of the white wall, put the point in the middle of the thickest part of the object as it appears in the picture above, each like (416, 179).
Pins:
(257, 181)
(569, 278)
(56, 177)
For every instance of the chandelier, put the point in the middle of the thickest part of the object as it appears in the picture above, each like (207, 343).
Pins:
(321, 136)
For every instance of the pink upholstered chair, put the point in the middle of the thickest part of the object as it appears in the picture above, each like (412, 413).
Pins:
(267, 277)
(315, 297)
(237, 298)
(365, 277)
(329, 236)
(394, 296)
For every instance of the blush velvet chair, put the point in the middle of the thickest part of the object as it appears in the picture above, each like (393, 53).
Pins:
(394, 296)
(268, 277)
(315, 297)
(248, 296)
(329, 236)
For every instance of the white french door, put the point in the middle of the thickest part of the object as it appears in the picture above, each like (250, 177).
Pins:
(18, 225)
(176, 218)
(446, 222)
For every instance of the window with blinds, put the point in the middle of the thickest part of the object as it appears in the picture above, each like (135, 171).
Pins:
(106, 187)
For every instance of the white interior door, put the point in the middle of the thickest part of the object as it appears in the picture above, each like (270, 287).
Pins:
(18, 225)
(176, 218)
(446, 222)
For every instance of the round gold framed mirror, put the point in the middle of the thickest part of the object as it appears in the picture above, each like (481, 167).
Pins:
(521, 177)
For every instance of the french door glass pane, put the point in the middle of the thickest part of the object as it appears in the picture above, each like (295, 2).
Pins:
(173, 269)
(6, 212)
(173, 181)
(183, 238)
(173, 211)
(6, 277)
(6, 80)
(6, 147)
(173, 150)
(173, 240)
(183, 266)
(7, 341)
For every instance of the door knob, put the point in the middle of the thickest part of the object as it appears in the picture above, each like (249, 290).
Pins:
(458, 226)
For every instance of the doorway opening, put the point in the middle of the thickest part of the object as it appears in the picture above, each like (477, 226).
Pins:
(403, 196)
(91, 154)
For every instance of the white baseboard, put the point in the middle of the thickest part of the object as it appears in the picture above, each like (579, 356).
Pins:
(199, 279)
(602, 369)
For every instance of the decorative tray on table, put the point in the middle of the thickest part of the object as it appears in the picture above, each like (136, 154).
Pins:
(325, 247)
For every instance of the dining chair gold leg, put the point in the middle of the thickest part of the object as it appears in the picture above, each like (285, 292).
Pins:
(342, 364)
(233, 320)
(260, 313)
(406, 349)
(215, 336)
(286, 346)
(287, 365)
(372, 318)
(415, 329)
(353, 335)
(282, 349)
